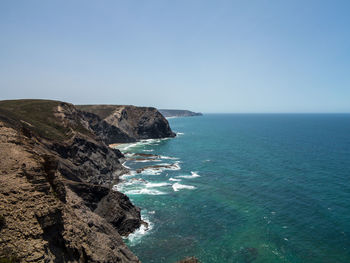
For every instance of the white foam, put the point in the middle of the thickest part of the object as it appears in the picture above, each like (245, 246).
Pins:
(151, 150)
(136, 236)
(158, 170)
(146, 161)
(178, 186)
(127, 146)
(193, 175)
(129, 174)
(152, 171)
(174, 166)
(149, 185)
(144, 191)
(174, 179)
(179, 133)
(168, 157)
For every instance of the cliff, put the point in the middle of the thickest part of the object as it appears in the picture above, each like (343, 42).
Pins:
(179, 113)
(56, 173)
(134, 122)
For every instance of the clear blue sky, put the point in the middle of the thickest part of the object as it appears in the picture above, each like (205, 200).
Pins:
(210, 56)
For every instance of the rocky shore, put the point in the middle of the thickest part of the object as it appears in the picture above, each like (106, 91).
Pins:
(56, 178)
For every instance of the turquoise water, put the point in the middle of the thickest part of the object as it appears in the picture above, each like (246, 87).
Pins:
(263, 188)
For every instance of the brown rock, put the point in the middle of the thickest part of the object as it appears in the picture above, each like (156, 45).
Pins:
(48, 191)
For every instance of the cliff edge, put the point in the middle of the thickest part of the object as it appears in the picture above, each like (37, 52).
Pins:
(135, 123)
(56, 174)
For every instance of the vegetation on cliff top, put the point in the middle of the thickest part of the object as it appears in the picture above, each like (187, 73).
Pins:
(37, 116)
(103, 111)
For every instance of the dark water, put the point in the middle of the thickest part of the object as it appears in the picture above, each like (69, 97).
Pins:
(272, 188)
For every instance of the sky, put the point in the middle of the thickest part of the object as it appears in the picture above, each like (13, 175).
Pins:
(209, 56)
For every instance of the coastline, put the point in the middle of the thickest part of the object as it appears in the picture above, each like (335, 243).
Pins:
(67, 161)
(148, 179)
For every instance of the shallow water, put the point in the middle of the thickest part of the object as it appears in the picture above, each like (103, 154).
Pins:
(246, 188)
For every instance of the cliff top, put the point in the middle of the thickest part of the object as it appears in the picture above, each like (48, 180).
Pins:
(42, 117)
(105, 110)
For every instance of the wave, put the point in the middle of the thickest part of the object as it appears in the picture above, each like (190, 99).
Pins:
(135, 237)
(127, 146)
(193, 175)
(144, 191)
(168, 157)
(174, 179)
(174, 167)
(178, 186)
(151, 171)
(159, 168)
(124, 165)
(140, 186)
(126, 175)
(146, 160)
(156, 184)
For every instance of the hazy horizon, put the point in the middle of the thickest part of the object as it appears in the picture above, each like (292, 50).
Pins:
(203, 56)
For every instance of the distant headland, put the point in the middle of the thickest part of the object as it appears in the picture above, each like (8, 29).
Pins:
(178, 113)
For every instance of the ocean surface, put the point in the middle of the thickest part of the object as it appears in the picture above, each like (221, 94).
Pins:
(244, 188)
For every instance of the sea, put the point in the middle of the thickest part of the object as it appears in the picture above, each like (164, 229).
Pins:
(243, 188)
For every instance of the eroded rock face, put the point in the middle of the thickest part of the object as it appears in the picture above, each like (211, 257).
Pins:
(117, 209)
(85, 159)
(135, 122)
(108, 133)
(56, 200)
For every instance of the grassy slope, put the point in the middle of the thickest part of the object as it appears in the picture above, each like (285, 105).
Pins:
(103, 111)
(37, 116)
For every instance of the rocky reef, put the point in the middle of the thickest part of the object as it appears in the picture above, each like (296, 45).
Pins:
(56, 177)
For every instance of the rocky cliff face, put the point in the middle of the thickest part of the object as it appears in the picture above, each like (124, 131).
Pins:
(134, 122)
(56, 173)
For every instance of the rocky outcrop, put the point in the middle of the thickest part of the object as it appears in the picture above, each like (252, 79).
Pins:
(108, 133)
(135, 122)
(179, 113)
(56, 199)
